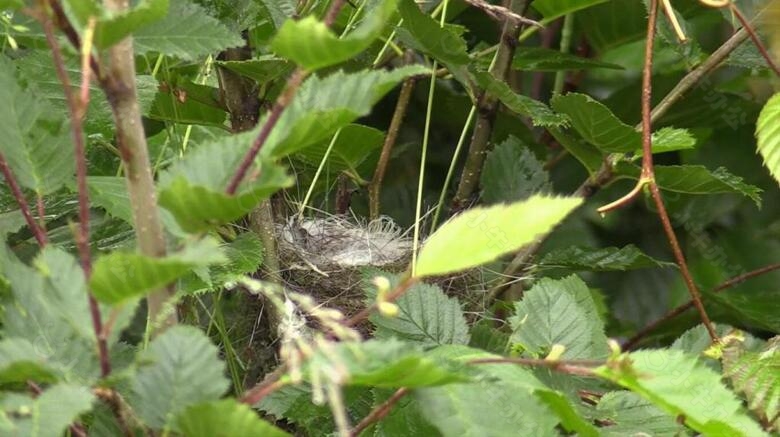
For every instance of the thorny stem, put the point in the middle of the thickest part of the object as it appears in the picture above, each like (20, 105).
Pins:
(642, 333)
(401, 106)
(379, 412)
(487, 107)
(604, 175)
(77, 108)
(118, 83)
(35, 227)
(284, 99)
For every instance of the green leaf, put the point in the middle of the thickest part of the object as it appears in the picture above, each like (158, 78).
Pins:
(262, 69)
(225, 417)
(602, 260)
(49, 309)
(48, 415)
(388, 363)
(427, 315)
(111, 27)
(551, 9)
(537, 111)
(20, 362)
(629, 414)
(404, 419)
(480, 235)
(669, 139)
(512, 173)
(597, 124)
(500, 402)
(121, 276)
(11, 222)
(199, 105)
(110, 193)
(756, 375)
(312, 45)
(180, 368)
(559, 312)
(685, 388)
(484, 336)
(768, 135)
(193, 189)
(542, 59)
(570, 418)
(35, 140)
(244, 254)
(695, 179)
(353, 146)
(323, 105)
(588, 155)
(186, 32)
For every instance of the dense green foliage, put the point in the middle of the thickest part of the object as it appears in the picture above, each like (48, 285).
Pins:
(276, 129)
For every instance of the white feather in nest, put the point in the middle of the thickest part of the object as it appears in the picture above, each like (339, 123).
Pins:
(334, 241)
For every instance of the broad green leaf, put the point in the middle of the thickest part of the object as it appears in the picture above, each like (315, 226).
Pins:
(669, 139)
(500, 402)
(768, 135)
(512, 173)
(388, 363)
(262, 69)
(11, 222)
(244, 254)
(480, 235)
(602, 260)
(597, 124)
(426, 315)
(683, 387)
(551, 9)
(542, 59)
(110, 193)
(226, 417)
(312, 45)
(353, 146)
(186, 32)
(421, 32)
(120, 276)
(629, 414)
(484, 336)
(323, 105)
(756, 375)
(559, 312)
(570, 418)
(48, 308)
(537, 111)
(112, 27)
(180, 368)
(405, 418)
(188, 103)
(35, 140)
(695, 179)
(49, 414)
(588, 155)
(193, 189)
(20, 362)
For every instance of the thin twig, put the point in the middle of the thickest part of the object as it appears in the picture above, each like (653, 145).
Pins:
(379, 412)
(754, 37)
(268, 385)
(284, 99)
(501, 13)
(579, 367)
(16, 192)
(642, 333)
(401, 106)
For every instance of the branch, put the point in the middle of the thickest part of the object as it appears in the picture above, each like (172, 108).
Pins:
(35, 227)
(118, 83)
(77, 107)
(380, 412)
(270, 384)
(642, 333)
(754, 37)
(487, 107)
(284, 99)
(392, 135)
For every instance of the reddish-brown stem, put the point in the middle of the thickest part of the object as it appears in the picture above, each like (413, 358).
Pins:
(16, 192)
(375, 187)
(76, 108)
(399, 290)
(284, 99)
(754, 37)
(579, 367)
(379, 412)
(642, 333)
(270, 384)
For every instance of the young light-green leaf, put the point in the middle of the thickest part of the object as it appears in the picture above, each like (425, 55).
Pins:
(480, 235)
(768, 134)
(312, 45)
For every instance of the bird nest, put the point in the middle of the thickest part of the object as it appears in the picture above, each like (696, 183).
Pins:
(325, 256)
